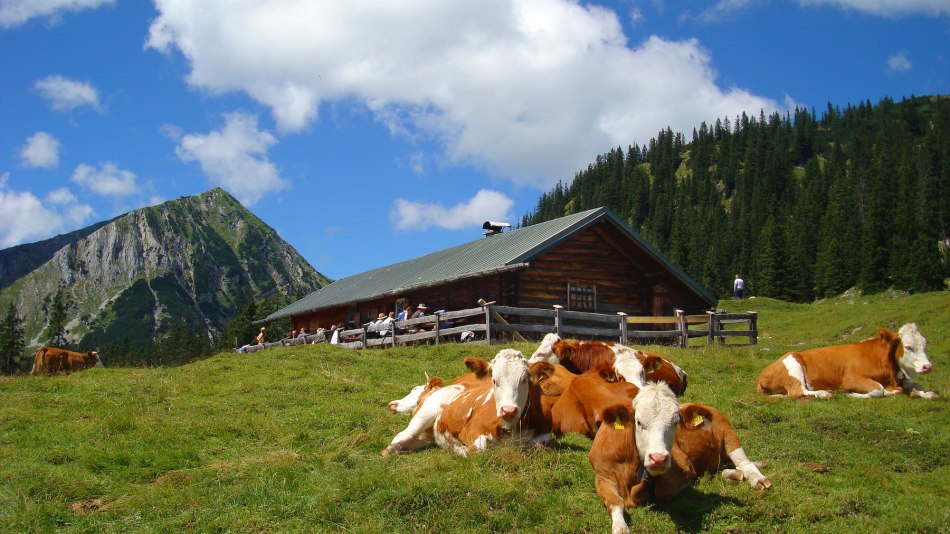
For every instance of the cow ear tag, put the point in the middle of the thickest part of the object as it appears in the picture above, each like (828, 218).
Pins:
(697, 420)
(617, 424)
(654, 365)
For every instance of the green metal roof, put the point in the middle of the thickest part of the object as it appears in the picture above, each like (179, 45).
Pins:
(492, 254)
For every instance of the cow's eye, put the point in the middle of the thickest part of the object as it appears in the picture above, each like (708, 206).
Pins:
(908, 348)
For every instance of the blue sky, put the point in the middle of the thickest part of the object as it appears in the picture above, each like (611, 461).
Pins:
(368, 133)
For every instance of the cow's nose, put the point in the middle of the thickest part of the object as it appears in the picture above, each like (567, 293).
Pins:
(507, 412)
(926, 369)
(657, 458)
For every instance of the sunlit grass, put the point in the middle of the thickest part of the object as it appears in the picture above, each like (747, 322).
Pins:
(288, 439)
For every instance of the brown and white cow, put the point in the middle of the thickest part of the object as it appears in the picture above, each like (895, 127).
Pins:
(882, 365)
(50, 360)
(673, 444)
(579, 408)
(466, 416)
(635, 366)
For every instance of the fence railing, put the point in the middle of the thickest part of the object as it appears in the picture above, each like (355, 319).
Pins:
(496, 323)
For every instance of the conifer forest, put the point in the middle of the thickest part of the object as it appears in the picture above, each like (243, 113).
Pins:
(802, 205)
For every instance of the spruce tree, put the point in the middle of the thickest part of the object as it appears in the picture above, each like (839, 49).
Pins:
(56, 321)
(12, 343)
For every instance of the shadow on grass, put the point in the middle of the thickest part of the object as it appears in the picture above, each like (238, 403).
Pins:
(690, 508)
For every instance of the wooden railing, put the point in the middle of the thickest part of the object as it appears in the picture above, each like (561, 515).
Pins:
(493, 323)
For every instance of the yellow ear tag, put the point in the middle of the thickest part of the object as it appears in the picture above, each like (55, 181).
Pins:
(697, 420)
(617, 424)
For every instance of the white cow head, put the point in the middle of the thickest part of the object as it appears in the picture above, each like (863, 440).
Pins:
(408, 403)
(656, 417)
(545, 351)
(914, 361)
(627, 363)
(98, 360)
(510, 383)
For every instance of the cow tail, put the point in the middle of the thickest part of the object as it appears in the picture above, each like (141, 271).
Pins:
(38, 361)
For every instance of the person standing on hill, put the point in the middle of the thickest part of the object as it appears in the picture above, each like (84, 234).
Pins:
(738, 287)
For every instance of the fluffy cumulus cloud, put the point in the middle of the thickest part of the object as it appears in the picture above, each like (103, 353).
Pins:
(899, 62)
(16, 12)
(24, 217)
(527, 89)
(889, 8)
(235, 157)
(107, 180)
(66, 95)
(41, 151)
(486, 205)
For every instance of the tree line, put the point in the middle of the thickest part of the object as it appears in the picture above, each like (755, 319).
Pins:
(802, 206)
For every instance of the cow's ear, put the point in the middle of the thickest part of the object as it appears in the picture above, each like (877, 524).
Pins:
(434, 382)
(481, 368)
(652, 364)
(695, 417)
(563, 350)
(886, 334)
(619, 416)
(608, 372)
(540, 371)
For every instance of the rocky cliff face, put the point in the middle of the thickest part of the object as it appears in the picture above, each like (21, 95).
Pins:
(194, 259)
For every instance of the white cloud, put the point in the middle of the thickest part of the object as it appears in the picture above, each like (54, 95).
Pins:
(527, 89)
(235, 157)
(899, 62)
(25, 218)
(16, 12)
(486, 205)
(889, 8)
(67, 95)
(41, 150)
(107, 180)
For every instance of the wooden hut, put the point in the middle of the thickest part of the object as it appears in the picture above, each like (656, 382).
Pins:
(589, 261)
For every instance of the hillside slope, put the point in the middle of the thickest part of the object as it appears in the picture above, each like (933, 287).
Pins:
(194, 260)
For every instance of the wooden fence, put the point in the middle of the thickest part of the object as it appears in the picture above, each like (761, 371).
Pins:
(492, 323)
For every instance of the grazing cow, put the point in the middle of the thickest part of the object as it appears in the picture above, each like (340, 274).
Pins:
(49, 361)
(579, 409)
(673, 444)
(635, 366)
(461, 417)
(882, 365)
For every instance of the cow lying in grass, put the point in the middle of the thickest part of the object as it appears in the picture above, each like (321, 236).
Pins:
(461, 417)
(673, 444)
(882, 365)
(50, 361)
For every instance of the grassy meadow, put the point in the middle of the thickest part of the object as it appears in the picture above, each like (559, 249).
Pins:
(288, 440)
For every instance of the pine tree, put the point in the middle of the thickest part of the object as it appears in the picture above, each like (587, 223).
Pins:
(771, 263)
(12, 343)
(57, 322)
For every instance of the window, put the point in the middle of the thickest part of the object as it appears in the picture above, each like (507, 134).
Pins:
(581, 297)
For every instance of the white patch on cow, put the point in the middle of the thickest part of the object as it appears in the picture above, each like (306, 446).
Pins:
(657, 416)
(619, 524)
(481, 442)
(746, 470)
(914, 361)
(879, 392)
(796, 371)
(627, 363)
(419, 432)
(509, 372)
(545, 351)
(541, 440)
(408, 403)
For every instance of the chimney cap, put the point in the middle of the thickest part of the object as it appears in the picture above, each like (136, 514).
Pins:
(494, 227)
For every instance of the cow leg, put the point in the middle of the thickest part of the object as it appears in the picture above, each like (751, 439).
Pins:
(609, 492)
(418, 434)
(862, 387)
(915, 390)
(746, 470)
(796, 385)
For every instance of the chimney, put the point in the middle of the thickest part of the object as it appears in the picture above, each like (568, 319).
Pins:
(493, 227)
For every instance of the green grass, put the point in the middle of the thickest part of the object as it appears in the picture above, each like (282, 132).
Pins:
(288, 440)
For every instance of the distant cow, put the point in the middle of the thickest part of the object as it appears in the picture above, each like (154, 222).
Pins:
(635, 366)
(49, 361)
(673, 445)
(499, 398)
(882, 365)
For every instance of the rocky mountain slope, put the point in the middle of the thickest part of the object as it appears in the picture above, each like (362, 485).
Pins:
(194, 260)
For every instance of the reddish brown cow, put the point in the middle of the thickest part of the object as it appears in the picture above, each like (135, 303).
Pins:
(49, 361)
(882, 365)
(634, 365)
(579, 408)
(704, 441)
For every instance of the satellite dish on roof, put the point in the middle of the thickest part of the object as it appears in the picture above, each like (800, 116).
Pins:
(494, 227)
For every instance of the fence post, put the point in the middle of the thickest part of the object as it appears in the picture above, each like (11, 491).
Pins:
(365, 337)
(681, 326)
(754, 326)
(557, 319)
(436, 330)
(711, 327)
(623, 328)
(487, 323)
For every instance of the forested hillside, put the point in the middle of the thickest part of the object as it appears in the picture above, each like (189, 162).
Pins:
(803, 206)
